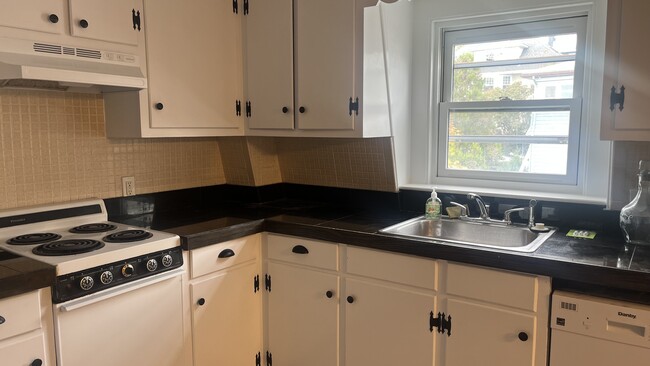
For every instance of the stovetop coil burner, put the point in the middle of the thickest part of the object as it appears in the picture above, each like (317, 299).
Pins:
(92, 228)
(68, 247)
(35, 238)
(127, 236)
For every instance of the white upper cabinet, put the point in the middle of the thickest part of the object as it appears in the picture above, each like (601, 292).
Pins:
(195, 74)
(626, 67)
(112, 21)
(38, 15)
(327, 52)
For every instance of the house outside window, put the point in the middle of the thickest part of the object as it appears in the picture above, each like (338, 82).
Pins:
(519, 131)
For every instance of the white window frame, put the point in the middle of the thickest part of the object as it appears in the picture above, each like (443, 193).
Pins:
(527, 29)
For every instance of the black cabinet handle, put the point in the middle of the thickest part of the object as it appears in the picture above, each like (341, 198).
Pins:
(36, 362)
(350, 299)
(53, 18)
(522, 336)
(299, 249)
(83, 23)
(226, 253)
(285, 109)
(2, 320)
(159, 106)
(301, 109)
(201, 302)
(329, 294)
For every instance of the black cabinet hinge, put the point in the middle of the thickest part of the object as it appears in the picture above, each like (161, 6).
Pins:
(617, 98)
(354, 106)
(256, 283)
(258, 359)
(245, 7)
(136, 19)
(269, 359)
(440, 323)
(235, 7)
(248, 109)
(238, 107)
(267, 282)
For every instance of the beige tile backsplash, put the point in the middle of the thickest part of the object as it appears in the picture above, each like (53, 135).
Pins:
(54, 148)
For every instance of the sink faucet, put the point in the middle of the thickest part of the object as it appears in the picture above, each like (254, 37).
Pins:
(531, 213)
(484, 211)
(482, 207)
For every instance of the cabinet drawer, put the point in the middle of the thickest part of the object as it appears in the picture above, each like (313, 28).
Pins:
(24, 350)
(303, 251)
(224, 255)
(494, 286)
(392, 267)
(20, 314)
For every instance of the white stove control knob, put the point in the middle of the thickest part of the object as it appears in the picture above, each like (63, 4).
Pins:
(152, 265)
(86, 283)
(127, 270)
(167, 260)
(106, 277)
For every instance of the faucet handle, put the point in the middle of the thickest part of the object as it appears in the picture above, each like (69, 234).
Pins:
(464, 210)
(508, 213)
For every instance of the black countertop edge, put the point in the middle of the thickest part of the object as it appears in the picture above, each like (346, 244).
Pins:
(202, 239)
(26, 277)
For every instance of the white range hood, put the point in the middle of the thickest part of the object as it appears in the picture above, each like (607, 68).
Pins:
(29, 64)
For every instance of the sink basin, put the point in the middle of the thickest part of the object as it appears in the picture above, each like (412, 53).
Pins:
(510, 237)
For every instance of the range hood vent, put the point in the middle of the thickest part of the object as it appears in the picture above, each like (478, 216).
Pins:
(49, 66)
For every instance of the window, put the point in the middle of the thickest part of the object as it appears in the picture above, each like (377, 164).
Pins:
(520, 131)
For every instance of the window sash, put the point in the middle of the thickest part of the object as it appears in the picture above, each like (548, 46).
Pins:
(572, 105)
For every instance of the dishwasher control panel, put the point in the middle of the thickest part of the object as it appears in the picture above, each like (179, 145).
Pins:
(601, 318)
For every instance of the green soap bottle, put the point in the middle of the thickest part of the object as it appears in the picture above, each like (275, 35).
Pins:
(433, 207)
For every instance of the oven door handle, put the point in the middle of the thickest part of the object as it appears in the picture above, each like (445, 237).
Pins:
(107, 294)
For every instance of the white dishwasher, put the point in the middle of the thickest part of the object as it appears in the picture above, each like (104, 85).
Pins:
(592, 331)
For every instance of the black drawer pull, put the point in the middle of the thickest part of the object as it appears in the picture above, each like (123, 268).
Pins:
(36, 362)
(299, 249)
(159, 106)
(522, 336)
(53, 18)
(2, 320)
(285, 109)
(350, 299)
(201, 302)
(83, 23)
(226, 253)
(329, 294)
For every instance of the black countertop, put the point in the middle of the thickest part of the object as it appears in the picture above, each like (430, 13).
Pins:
(19, 275)
(604, 264)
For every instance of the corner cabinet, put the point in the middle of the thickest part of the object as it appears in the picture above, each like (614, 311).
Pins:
(26, 329)
(627, 74)
(326, 63)
(195, 74)
(225, 303)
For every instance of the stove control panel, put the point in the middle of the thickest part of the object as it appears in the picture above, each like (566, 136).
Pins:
(78, 284)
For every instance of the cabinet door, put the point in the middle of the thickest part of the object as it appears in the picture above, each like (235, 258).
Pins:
(488, 335)
(302, 321)
(105, 20)
(387, 326)
(324, 46)
(627, 65)
(23, 350)
(195, 65)
(227, 327)
(269, 65)
(34, 15)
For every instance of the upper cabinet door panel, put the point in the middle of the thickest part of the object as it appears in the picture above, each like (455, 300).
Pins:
(324, 32)
(34, 15)
(105, 20)
(269, 50)
(194, 63)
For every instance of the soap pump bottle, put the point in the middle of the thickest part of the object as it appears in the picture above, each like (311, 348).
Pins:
(433, 207)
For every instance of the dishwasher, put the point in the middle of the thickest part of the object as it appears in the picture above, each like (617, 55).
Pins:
(592, 331)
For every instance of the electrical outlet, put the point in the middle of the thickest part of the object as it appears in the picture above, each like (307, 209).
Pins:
(128, 186)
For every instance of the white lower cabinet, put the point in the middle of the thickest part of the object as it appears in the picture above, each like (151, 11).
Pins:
(303, 316)
(26, 336)
(226, 305)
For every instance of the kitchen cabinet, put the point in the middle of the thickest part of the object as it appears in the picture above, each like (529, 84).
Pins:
(226, 305)
(627, 72)
(195, 74)
(110, 21)
(497, 317)
(331, 54)
(26, 336)
(303, 302)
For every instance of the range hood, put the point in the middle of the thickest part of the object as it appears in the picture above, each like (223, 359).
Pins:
(37, 65)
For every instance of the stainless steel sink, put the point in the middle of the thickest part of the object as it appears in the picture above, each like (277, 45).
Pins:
(507, 237)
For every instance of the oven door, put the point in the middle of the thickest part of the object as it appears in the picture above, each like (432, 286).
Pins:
(139, 323)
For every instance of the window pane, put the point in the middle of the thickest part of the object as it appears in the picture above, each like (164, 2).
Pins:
(516, 49)
(509, 141)
(515, 82)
